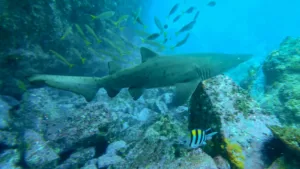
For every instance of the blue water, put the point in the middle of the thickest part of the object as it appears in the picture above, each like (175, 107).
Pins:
(232, 26)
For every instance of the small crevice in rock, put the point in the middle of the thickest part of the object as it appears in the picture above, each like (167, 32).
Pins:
(65, 155)
(273, 149)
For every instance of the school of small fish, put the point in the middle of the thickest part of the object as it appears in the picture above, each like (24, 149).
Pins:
(120, 46)
(174, 15)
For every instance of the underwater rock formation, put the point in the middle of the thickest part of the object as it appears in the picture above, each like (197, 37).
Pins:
(6, 104)
(284, 163)
(193, 160)
(9, 142)
(65, 125)
(77, 159)
(242, 125)
(289, 136)
(38, 153)
(9, 159)
(31, 29)
(281, 69)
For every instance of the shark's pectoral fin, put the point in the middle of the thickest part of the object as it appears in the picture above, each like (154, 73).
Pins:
(135, 93)
(184, 91)
(112, 92)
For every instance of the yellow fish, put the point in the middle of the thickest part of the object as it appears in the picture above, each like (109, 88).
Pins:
(79, 55)
(67, 32)
(89, 29)
(82, 35)
(61, 58)
(97, 54)
(104, 15)
(21, 85)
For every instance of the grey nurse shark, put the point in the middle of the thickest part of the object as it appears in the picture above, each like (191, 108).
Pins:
(185, 71)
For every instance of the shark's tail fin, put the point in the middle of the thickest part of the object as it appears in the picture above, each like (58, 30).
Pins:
(86, 86)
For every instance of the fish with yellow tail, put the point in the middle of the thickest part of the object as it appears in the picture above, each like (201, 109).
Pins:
(195, 138)
(117, 23)
(137, 18)
(67, 32)
(82, 35)
(185, 71)
(79, 55)
(159, 25)
(21, 85)
(186, 27)
(64, 60)
(104, 15)
(180, 43)
(92, 32)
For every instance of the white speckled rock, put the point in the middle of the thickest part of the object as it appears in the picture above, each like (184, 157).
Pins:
(9, 159)
(107, 160)
(220, 104)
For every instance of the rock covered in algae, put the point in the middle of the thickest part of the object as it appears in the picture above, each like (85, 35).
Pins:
(285, 163)
(31, 28)
(9, 159)
(290, 136)
(220, 104)
(281, 69)
(121, 130)
(38, 154)
(193, 160)
(221, 162)
(6, 104)
(79, 158)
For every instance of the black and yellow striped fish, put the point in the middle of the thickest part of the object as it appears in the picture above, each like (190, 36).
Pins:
(197, 138)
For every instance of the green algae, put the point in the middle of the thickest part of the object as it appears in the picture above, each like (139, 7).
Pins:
(289, 136)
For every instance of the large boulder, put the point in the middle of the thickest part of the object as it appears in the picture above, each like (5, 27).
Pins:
(281, 69)
(220, 104)
(9, 159)
(37, 153)
(64, 125)
(290, 136)
(6, 104)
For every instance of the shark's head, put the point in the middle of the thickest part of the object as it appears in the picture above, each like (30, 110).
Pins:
(223, 62)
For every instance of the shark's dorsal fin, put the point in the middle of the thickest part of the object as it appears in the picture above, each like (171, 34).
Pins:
(147, 54)
(113, 67)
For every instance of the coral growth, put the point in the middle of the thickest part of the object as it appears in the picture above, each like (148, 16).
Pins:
(281, 69)
(289, 136)
(235, 154)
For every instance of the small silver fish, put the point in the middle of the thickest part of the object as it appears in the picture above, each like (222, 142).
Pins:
(176, 18)
(158, 24)
(187, 27)
(212, 3)
(196, 16)
(173, 10)
(190, 10)
(183, 41)
(153, 36)
(165, 41)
